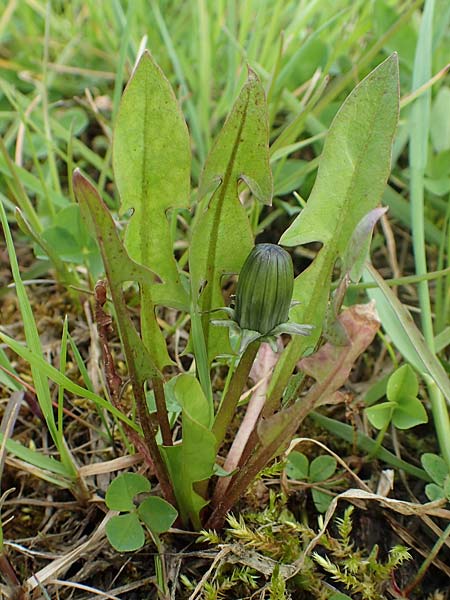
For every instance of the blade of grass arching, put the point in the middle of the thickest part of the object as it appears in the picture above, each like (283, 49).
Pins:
(124, 42)
(194, 125)
(418, 154)
(18, 189)
(62, 368)
(293, 130)
(46, 463)
(418, 151)
(283, 152)
(366, 444)
(51, 160)
(31, 334)
(406, 336)
(204, 70)
(34, 344)
(19, 101)
(80, 364)
(88, 384)
(5, 379)
(67, 276)
(79, 486)
(52, 373)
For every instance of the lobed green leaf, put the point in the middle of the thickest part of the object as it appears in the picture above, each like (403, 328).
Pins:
(151, 161)
(222, 236)
(355, 163)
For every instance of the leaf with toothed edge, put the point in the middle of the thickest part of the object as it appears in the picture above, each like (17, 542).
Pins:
(120, 268)
(355, 162)
(222, 236)
(353, 170)
(151, 160)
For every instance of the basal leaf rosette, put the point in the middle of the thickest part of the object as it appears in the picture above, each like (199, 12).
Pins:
(264, 297)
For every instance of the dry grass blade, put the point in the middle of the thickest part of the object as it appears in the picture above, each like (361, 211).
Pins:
(84, 588)
(61, 564)
(7, 425)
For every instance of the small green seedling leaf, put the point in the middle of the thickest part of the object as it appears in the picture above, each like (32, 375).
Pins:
(380, 415)
(434, 492)
(409, 413)
(435, 466)
(71, 240)
(125, 533)
(402, 384)
(157, 514)
(322, 468)
(297, 466)
(321, 500)
(122, 491)
(403, 408)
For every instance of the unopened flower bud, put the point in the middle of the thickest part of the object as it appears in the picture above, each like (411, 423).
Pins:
(264, 290)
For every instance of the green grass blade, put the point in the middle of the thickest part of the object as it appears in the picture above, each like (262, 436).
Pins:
(195, 126)
(406, 336)
(418, 154)
(31, 333)
(47, 370)
(366, 444)
(18, 188)
(46, 463)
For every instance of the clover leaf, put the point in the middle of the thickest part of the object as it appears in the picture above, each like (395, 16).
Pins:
(125, 532)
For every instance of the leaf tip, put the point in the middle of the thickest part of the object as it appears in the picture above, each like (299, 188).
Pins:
(83, 188)
(78, 178)
(251, 75)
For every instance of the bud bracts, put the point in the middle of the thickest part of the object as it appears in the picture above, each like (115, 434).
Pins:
(264, 290)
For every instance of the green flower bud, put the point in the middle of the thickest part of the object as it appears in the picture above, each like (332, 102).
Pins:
(264, 290)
